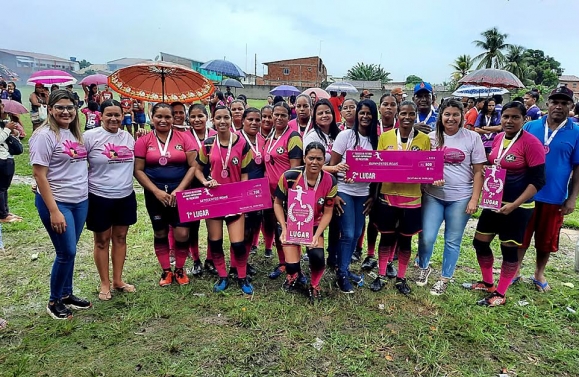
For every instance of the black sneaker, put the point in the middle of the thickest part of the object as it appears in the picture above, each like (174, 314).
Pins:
(402, 286)
(58, 310)
(344, 284)
(305, 257)
(356, 279)
(251, 270)
(369, 264)
(233, 272)
(210, 267)
(314, 293)
(356, 256)
(290, 283)
(253, 250)
(197, 268)
(268, 253)
(378, 283)
(391, 271)
(74, 302)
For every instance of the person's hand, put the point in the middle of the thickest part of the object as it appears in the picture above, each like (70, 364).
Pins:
(423, 127)
(173, 202)
(315, 242)
(349, 180)
(338, 203)
(341, 168)
(471, 207)
(438, 183)
(568, 206)
(163, 197)
(368, 206)
(33, 188)
(282, 236)
(211, 183)
(58, 222)
(506, 209)
(10, 125)
(141, 132)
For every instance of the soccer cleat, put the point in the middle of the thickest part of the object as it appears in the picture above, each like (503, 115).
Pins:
(344, 284)
(245, 286)
(494, 299)
(290, 283)
(378, 283)
(369, 263)
(480, 286)
(181, 277)
(356, 256)
(58, 310)
(268, 253)
(210, 267)
(252, 271)
(280, 269)
(74, 302)
(356, 279)
(197, 268)
(314, 293)
(439, 288)
(233, 272)
(391, 271)
(305, 257)
(221, 285)
(253, 250)
(423, 275)
(166, 278)
(402, 286)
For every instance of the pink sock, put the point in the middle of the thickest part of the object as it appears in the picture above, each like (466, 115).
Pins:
(232, 261)
(241, 263)
(255, 241)
(267, 238)
(181, 250)
(219, 262)
(316, 276)
(209, 254)
(281, 255)
(383, 255)
(403, 259)
(194, 250)
(162, 252)
(360, 243)
(393, 253)
(371, 237)
(171, 239)
(508, 272)
(486, 267)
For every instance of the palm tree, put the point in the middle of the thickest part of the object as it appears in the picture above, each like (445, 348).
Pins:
(368, 72)
(493, 43)
(462, 67)
(515, 61)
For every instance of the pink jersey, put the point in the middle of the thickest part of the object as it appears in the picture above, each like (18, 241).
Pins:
(93, 118)
(293, 125)
(278, 153)
(239, 161)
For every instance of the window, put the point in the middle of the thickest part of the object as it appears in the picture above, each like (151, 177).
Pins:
(574, 85)
(286, 71)
(309, 69)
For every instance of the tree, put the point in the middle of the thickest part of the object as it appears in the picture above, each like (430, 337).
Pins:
(493, 43)
(516, 63)
(83, 63)
(543, 69)
(368, 72)
(413, 80)
(462, 67)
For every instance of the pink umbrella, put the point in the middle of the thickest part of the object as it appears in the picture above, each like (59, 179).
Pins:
(51, 76)
(13, 107)
(320, 93)
(97, 79)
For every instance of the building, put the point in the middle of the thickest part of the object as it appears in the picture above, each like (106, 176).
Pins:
(193, 64)
(251, 79)
(301, 72)
(365, 85)
(26, 63)
(571, 82)
(124, 62)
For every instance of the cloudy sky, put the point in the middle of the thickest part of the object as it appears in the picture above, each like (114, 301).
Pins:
(420, 37)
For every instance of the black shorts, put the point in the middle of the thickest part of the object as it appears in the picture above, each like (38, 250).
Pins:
(103, 213)
(161, 216)
(510, 228)
(405, 221)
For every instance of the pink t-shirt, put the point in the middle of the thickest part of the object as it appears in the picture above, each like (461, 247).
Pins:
(213, 155)
(93, 119)
(66, 161)
(294, 126)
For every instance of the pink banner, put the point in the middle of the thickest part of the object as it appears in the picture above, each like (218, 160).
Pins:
(395, 166)
(300, 216)
(229, 199)
(493, 188)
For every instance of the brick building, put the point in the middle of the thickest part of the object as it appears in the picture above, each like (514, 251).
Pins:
(301, 72)
(571, 82)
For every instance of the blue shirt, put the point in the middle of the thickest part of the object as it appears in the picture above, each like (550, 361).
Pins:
(562, 157)
(534, 113)
(430, 121)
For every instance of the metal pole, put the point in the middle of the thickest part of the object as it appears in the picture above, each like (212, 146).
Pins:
(163, 83)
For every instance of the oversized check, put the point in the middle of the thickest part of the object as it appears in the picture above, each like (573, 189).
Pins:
(395, 166)
(224, 200)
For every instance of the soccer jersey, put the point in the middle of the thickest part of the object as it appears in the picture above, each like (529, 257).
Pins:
(325, 193)
(471, 117)
(346, 141)
(429, 119)
(198, 142)
(294, 126)
(563, 155)
(257, 170)
(93, 118)
(214, 154)
(326, 141)
(382, 129)
(280, 151)
(406, 195)
(527, 151)
(126, 105)
(486, 120)
(534, 113)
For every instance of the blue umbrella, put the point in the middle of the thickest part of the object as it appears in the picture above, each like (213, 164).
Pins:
(478, 91)
(223, 67)
(233, 83)
(285, 91)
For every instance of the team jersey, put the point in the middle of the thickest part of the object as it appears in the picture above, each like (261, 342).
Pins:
(429, 119)
(280, 151)
(136, 104)
(214, 154)
(257, 170)
(106, 95)
(534, 113)
(93, 119)
(325, 193)
(294, 126)
(126, 105)
(483, 120)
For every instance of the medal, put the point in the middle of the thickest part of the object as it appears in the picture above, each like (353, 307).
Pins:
(224, 163)
(162, 160)
(547, 149)
(163, 149)
(503, 153)
(272, 145)
(547, 141)
(258, 159)
(267, 158)
(255, 149)
(224, 174)
(408, 141)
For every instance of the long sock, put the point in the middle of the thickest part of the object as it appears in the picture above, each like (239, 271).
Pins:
(209, 254)
(171, 239)
(383, 255)
(371, 237)
(181, 250)
(232, 261)
(280, 255)
(316, 276)
(267, 237)
(255, 241)
(194, 250)
(162, 251)
(393, 253)
(218, 257)
(486, 267)
(240, 258)
(508, 272)
(403, 259)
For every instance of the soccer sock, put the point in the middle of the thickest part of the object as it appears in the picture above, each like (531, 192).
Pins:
(181, 249)
(316, 276)
(161, 246)
(372, 236)
(485, 258)
(255, 241)
(267, 236)
(240, 258)
(403, 259)
(209, 254)
(509, 268)
(218, 257)
(383, 255)
(171, 238)
(232, 261)
(194, 250)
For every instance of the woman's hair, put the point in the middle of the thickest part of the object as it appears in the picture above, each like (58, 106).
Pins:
(50, 122)
(515, 105)
(222, 108)
(284, 105)
(161, 105)
(243, 97)
(517, 99)
(93, 106)
(12, 82)
(373, 130)
(384, 96)
(109, 103)
(439, 126)
(267, 107)
(277, 99)
(408, 103)
(306, 96)
(238, 101)
(92, 87)
(54, 87)
(485, 111)
(292, 100)
(220, 96)
(315, 145)
(248, 111)
(350, 99)
(198, 106)
(334, 129)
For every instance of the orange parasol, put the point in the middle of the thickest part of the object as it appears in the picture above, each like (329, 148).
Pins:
(161, 81)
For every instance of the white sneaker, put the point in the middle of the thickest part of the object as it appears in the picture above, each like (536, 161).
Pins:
(423, 275)
(439, 288)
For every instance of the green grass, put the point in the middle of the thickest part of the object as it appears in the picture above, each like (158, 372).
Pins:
(190, 331)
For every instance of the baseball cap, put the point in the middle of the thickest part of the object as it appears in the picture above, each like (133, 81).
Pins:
(423, 86)
(366, 93)
(38, 85)
(396, 91)
(562, 91)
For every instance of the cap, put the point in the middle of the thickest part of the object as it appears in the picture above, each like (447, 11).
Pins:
(562, 91)
(366, 93)
(38, 85)
(396, 91)
(423, 86)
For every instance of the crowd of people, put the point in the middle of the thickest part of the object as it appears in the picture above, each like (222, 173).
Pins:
(88, 177)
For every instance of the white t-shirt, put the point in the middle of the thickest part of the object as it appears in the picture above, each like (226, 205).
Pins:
(328, 143)
(111, 160)
(66, 161)
(461, 150)
(346, 141)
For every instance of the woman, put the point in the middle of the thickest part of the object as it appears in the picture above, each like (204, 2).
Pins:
(308, 177)
(237, 108)
(523, 157)
(283, 151)
(348, 113)
(324, 130)
(267, 231)
(388, 110)
(229, 157)
(354, 200)
(10, 127)
(266, 121)
(488, 124)
(58, 159)
(112, 205)
(399, 215)
(91, 93)
(302, 124)
(457, 200)
(313, 98)
(13, 93)
(164, 165)
(292, 104)
(38, 99)
(54, 87)
(270, 100)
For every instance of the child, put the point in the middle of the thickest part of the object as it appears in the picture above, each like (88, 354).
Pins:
(127, 107)
(93, 115)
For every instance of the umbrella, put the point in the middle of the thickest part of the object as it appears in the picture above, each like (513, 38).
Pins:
(320, 93)
(478, 91)
(161, 81)
(490, 77)
(13, 107)
(51, 76)
(285, 91)
(341, 86)
(97, 79)
(8, 74)
(233, 83)
(223, 67)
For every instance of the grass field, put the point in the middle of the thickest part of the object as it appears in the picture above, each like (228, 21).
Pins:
(190, 331)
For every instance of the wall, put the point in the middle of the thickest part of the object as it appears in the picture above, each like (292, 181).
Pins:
(302, 72)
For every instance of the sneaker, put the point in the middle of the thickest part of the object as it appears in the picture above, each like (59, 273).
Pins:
(391, 271)
(423, 275)
(290, 282)
(314, 293)
(480, 286)
(302, 280)
(253, 250)
(369, 264)
(210, 267)
(74, 302)
(305, 257)
(233, 272)
(280, 269)
(356, 279)
(58, 310)
(494, 299)
(251, 270)
(245, 286)
(439, 288)
(378, 283)
(268, 253)
(221, 285)
(356, 256)
(344, 284)
(181, 277)
(402, 286)
(197, 268)
(166, 278)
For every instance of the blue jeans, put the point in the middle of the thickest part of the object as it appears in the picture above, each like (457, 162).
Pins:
(352, 224)
(434, 212)
(64, 244)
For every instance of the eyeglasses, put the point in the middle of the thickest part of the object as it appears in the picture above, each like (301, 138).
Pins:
(69, 108)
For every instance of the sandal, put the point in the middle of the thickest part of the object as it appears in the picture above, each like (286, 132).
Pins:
(3, 323)
(516, 280)
(127, 288)
(541, 287)
(105, 296)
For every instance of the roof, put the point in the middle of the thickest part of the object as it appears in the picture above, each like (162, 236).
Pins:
(376, 85)
(291, 60)
(34, 55)
(128, 61)
(167, 55)
(568, 78)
